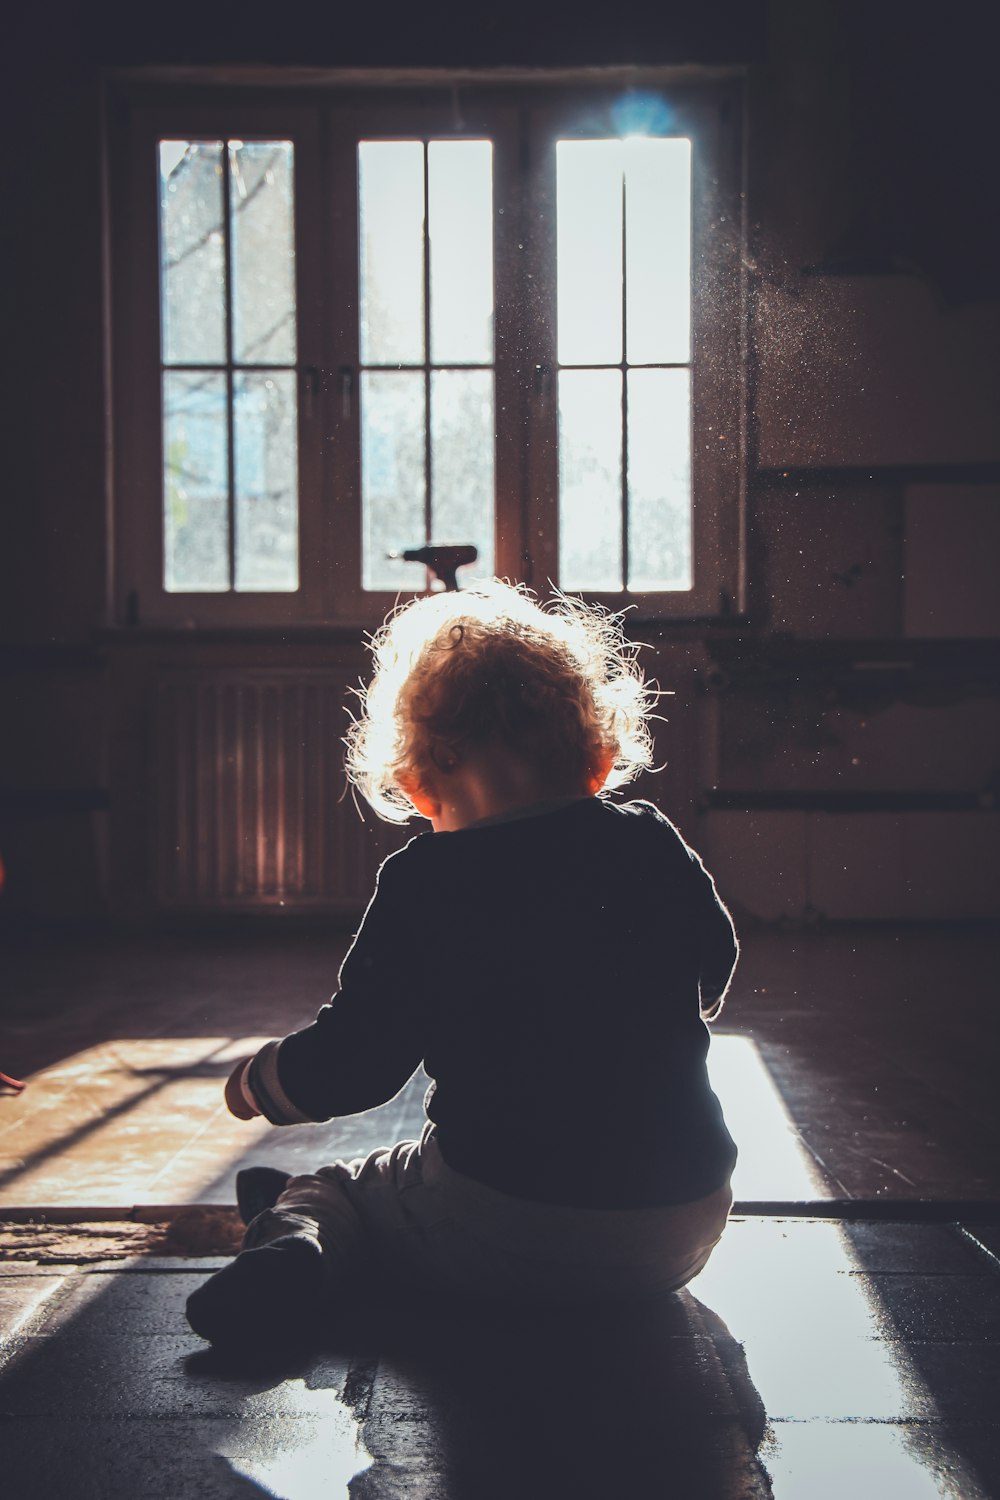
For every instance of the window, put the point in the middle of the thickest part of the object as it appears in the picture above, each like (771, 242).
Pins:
(227, 339)
(426, 357)
(623, 317)
(352, 323)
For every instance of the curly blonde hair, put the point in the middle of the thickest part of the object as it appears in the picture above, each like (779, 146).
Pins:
(557, 684)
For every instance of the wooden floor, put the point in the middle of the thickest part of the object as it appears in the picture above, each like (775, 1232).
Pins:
(851, 1062)
(816, 1356)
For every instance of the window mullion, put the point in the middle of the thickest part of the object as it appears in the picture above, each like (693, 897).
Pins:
(510, 355)
(341, 435)
(312, 361)
(624, 396)
(536, 294)
(428, 469)
(227, 243)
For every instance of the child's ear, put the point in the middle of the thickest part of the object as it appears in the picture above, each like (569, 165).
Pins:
(600, 774)
(444, 758)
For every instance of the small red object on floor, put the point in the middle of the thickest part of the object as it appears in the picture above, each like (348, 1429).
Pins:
(6, 1082)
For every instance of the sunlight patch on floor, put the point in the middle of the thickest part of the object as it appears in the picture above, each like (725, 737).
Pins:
(773, 1164)
(100, 1127)
(143, 1120)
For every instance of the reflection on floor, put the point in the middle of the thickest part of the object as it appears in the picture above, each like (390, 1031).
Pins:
(808, 1362)
(812, 1358)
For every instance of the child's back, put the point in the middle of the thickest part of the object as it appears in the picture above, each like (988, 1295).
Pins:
(546, 970)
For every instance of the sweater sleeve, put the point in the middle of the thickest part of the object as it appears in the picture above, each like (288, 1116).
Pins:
(718, 945)
(368, 1041)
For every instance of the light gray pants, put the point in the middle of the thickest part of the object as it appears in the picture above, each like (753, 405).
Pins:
(403, 1214)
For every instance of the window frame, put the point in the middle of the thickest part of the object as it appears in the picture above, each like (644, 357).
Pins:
(717, 352)
(136, 364)
(325, 122)
(418, 119)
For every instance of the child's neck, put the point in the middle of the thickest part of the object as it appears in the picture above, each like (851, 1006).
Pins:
(492, 783)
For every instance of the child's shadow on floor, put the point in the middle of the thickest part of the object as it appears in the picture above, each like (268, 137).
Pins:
(652, 1401)
(472, 1403)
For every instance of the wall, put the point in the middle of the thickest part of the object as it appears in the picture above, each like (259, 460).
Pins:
(856, 728)
(835, 752)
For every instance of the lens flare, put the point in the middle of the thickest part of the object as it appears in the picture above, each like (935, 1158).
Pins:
(641, 113)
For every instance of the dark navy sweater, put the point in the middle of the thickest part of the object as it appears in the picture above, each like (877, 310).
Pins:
(548, 971)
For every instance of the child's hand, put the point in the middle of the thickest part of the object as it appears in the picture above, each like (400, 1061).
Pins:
(237, 1100)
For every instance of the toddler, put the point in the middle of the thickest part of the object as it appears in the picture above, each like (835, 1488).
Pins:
(551, 956)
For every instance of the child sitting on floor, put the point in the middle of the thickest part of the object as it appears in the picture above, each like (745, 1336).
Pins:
(549, 955)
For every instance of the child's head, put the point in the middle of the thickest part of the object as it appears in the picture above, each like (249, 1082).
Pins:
(486, 667)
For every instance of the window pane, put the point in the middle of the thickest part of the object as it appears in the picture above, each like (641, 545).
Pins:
(462, 430)
(658, 250)
(590, 479)
(266, 482)
(192, 253)
(195, 483)
(392, 474)
(659, 480)
(391, 214)
(460, 235)
(263, 249)
(589, 251)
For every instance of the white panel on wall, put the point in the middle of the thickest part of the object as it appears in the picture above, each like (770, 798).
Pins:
(797, 744)
(758, 860)
(912, 866)
(951, 560)
(951, 865)
(870, 370)
(856, 869)
(830, 561)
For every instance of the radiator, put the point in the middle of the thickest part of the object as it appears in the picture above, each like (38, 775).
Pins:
(252, 805)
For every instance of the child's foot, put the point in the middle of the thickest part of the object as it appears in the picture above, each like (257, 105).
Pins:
(264, 1300)
(258, 1188)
